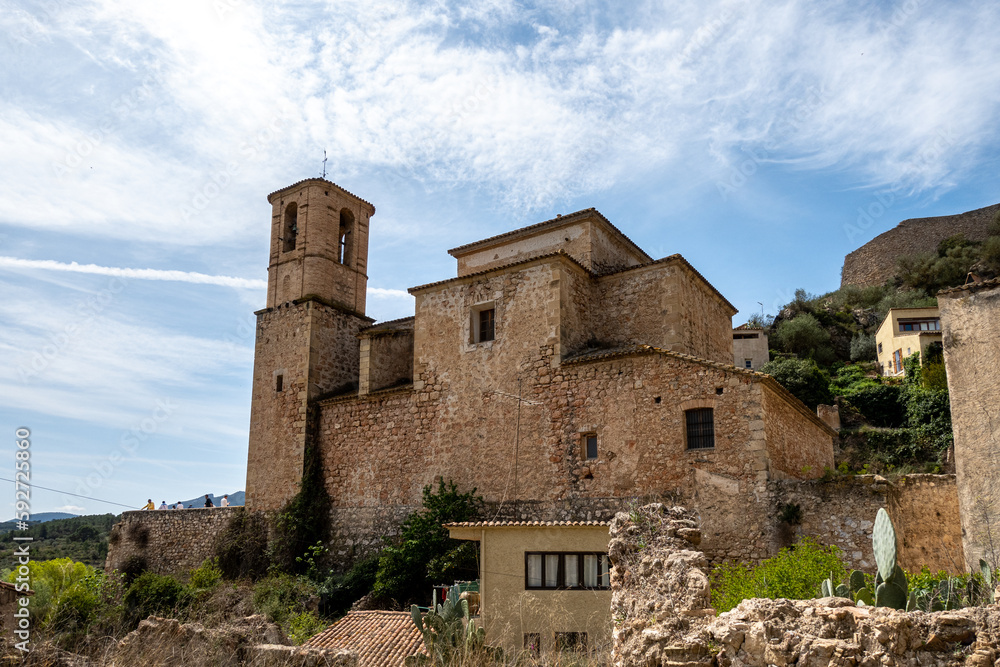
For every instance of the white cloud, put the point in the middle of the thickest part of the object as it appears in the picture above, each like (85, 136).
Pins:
(138, 274)
(70, 509)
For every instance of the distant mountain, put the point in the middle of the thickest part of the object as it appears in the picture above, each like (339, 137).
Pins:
(42, 517)
(238, 498)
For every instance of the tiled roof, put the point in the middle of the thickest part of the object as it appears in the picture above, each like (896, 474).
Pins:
(402, 324)
(972, 287)
(381, 638)
(554, 222)
(523, 524)
(749, 327)
(324, 182)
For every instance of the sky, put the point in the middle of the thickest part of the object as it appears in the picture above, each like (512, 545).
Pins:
(761, 140)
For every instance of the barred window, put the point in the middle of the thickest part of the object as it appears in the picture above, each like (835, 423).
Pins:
(700, 428)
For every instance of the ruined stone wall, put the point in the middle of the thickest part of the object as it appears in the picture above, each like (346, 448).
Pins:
(875, 262)
(334, 350)
(661, 606)
(786, 426)
(970, 321)
(925, 510)
(168, 541)
(579, 321)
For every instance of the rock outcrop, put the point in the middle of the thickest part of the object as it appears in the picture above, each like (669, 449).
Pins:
(663, 617)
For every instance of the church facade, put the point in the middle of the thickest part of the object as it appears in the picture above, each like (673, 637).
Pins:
(562, 373)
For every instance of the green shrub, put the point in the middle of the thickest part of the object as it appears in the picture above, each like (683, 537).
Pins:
(795, 573)
(208, 575)
(802, 377)
(863, 347)
(50, 580)
(405, 568)
(804, 336)
(241, 549)
(281, 596)
(154, 594)
(304, 625)
(340, 592)
(881, 404)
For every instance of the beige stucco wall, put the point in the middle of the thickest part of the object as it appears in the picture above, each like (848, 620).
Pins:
(970, 321)
(890, 338)
(509, 611)
(754, 349)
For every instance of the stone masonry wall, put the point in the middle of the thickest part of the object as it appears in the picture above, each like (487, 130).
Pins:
(875, 262)
(169, 541)
(661, 607)
(970, 321)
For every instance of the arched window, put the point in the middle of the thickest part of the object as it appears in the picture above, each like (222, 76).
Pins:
(291, 228)
(346, 245)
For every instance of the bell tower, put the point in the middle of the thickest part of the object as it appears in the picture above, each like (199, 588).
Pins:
(307, 345)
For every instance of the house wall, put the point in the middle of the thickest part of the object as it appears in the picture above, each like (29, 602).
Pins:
(891, 338)
(754, 349)
(508, 610)
(970, 320)
(386, 360)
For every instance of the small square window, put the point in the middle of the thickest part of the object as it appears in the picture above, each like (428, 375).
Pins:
(590, 446)
(748, 363)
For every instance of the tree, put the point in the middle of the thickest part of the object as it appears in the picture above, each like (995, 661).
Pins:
(804, 336)
(405, 569)
(863, 347)
(802, 377)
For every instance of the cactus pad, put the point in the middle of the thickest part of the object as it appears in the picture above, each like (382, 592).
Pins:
(890, 595)
(884, 544)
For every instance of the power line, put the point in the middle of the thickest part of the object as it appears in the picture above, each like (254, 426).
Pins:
(35, 486)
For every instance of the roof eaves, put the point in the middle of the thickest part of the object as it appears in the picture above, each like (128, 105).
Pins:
(553, 222)
(326, 183)
(971, 287)
(562, 254)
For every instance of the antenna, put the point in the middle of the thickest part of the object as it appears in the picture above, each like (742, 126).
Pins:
(324, 163)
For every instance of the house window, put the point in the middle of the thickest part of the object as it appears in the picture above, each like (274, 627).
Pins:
(897, 361)
(566, 571)
(589, 446)
(291, 227)
(571, 641)
(880, 348)
(279, 382)
(700, 428)
(533, 643)
(748, 363)
(484, 321)
(920, 324)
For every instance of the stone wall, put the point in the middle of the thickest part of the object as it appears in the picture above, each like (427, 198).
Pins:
(168, 541)
(970, 321)
(386, 360)
(662, 612)
(875, 262)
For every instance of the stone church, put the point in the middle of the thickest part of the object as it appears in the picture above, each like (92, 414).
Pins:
(562, 373)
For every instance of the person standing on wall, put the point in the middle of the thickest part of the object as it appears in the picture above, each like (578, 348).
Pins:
(225, 501)
(149, 505)
(208, 501)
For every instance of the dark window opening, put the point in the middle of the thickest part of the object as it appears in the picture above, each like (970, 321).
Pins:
(279, 383)
(590, 446)
(533, 643)
(718, 390)
(880, 348)
(748, 363)
(920, 324)
(571, 641)
(566, 571)
(487, 324)
(345, 237)
(291, 228)
(700, 428)
(657, 400)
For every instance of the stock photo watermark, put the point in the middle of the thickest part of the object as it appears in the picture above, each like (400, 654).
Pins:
(22, 550)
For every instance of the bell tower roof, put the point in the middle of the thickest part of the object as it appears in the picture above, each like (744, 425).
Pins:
(324, 183)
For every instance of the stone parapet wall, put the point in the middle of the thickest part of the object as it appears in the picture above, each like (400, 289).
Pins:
(875, 262)
(169, 541)
(662, 614)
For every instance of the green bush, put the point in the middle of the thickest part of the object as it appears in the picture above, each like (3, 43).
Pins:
(863, 347)
(406, 568)
(241, 549)
(804, 336)
(304, 625)
(802, 377)
(208, 575)
(154, 594)
(340, 592)
(881, 404)
(795, 573)
(281, 596)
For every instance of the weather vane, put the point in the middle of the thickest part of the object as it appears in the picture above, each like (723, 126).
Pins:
(324, 163)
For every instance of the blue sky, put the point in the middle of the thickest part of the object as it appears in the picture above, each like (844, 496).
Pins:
(763, 141)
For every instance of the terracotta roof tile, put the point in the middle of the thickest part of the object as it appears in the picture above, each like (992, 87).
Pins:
(402, 324)
(523, 524)
(748, 327)
(504, 267)
(972, 287)
(381, 638)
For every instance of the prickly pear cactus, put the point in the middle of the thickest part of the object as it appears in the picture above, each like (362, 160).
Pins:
(884, 544)
(857, 581)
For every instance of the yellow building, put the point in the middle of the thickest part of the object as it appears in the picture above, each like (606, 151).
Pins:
(544, 586)
(903, 332)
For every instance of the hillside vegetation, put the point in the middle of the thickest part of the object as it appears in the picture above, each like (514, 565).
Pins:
(83, 539)
(823, 350)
